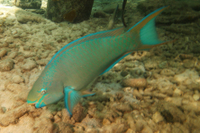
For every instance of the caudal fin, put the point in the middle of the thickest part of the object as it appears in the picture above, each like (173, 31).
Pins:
(147, 31)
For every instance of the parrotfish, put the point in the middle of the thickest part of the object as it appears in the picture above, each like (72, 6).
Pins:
(78, 63)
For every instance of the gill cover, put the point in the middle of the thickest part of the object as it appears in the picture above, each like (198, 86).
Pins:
(45, 93)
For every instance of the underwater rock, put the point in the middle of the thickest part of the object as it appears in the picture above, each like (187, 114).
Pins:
(6, 65)
(166, 128)
(65, 128)
(17, 89)
(147, 129)
(196, 97)
(42, 62)
(189, 75)
(29, 65)
(163, 85)
(91, 122)
(163, 64)
(118, 67)
(3, 52)
(120, 129)
(137, 72)
(1, 31)
(57, 118)
(192, 106)
(130, 131)
(124, 107)
(33, 4)
(167, 72)
(152, 125)
(150, 64)
(12, 45)
(140, 124)
(131, 123)
(73, 11)
(25, 17)
(178, 128)
(188, 63)
(13, 54)
(37, 11)
(17, 79)
(124, 73)
(45, 54)
(100, 14)
(26, 48)
(91, 130)
(115, 128)
(177, 92)
(29, 54)
(66, 117)
(170, 112)
(43, 125)
(106, 122)
(175, 100)
(138, 83)
(12, 115)
(185, 56)
(137, 94)
(196, 130)
(4, 44)
(78, 113)
(17, 33)
(23, 124)
(155, 94)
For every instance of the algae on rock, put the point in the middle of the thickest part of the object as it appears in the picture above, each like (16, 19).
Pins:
(70, 10)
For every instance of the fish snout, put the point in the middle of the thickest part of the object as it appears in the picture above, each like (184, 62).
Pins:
(39, 105)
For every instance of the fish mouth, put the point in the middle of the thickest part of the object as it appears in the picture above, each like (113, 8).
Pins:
(39, 105)
(36, 104)
(31, 102)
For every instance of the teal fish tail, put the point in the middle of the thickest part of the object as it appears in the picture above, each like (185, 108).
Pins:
(147, 31)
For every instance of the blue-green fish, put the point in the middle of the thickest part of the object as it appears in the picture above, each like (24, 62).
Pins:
(78, 63)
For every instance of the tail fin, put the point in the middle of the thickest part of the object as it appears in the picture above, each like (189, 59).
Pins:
(147, 31)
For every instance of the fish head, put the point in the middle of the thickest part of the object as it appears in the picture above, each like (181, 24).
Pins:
(45, 93)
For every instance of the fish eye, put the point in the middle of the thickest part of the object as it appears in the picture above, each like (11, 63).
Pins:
(43, 91)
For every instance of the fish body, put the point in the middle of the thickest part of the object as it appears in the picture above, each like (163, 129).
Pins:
(77, 64)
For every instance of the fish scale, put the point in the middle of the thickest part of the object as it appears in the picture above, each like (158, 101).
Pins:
(95, 59)
(78, 63)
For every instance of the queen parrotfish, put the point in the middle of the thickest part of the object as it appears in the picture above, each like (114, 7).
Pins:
(78, 63)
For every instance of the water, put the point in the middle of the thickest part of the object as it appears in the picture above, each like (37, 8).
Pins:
(147, 91)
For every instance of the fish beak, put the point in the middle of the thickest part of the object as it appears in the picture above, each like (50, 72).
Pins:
(40, 105)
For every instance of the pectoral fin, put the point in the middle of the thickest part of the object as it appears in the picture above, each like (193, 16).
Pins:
(72, 97)
(87, 93)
